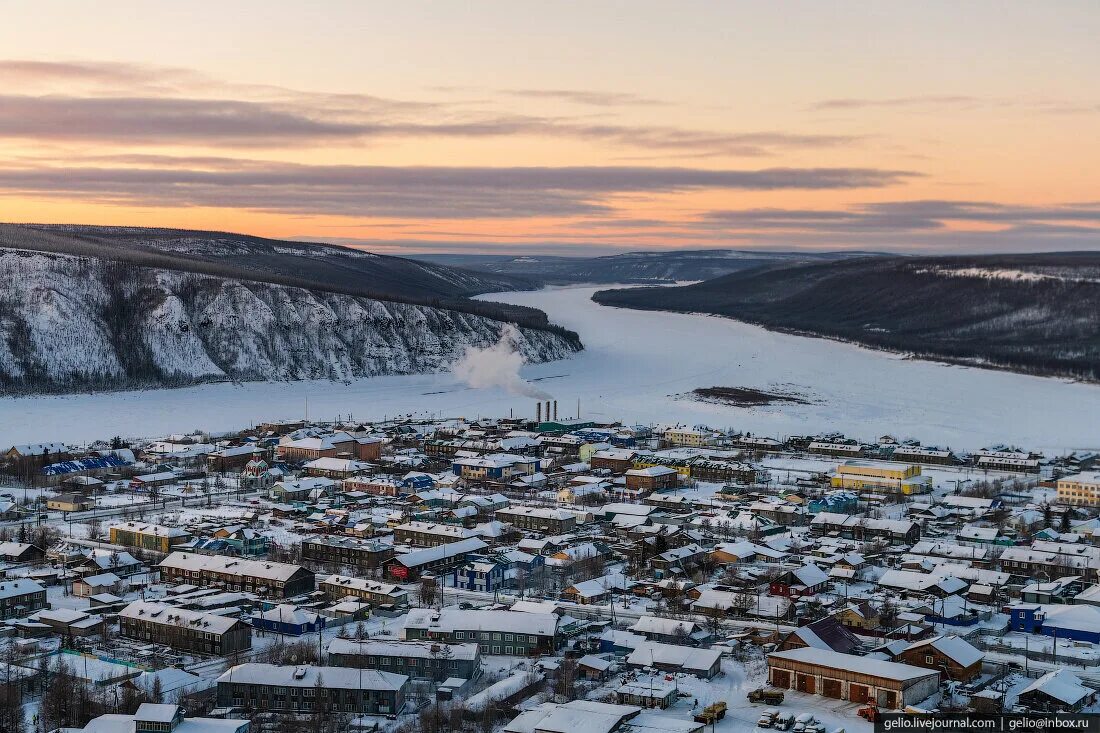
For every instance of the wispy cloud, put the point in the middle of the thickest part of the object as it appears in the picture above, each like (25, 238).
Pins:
(423, 192)
(81, 102)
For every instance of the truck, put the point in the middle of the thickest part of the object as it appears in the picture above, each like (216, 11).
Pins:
(766, 695)
(711, 713)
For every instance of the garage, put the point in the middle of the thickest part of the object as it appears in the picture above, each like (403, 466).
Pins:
(887, 699)
(807, 683)
(859, 693)
(781, 678)
(831, 688)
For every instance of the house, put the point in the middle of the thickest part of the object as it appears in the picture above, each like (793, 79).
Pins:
(671, 631)
(825, 633)
(1059, 590)
(91, 585)
(672, 658)
(647, 692)
(184, 630)
(594, 667)
(374, 592)
(494, 467)
(483, 575)
(411, 565)
(255, 686)
(952, 655)
(653, 478)
(730, 553)
(865, 528)
(69, 503)
(538, 519)
(1076, 622)
(10, 511)
(21, 552)
(616, 460)
(336, 468)
(889, 685)
(234, 458)
(1059, 691)
(913, 582)
(287, 619)
(19, 598)
(859, 615)
(596, 590)
(148, 536)
(281, 580)
(497, 632)
(807, 580)
(303, 489)
(416, 659)
(96, 561)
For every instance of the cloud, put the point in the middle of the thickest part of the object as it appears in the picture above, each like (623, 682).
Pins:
(957, 101)
(588, 97)
(905, 216)
(131, 104)
(423, 192)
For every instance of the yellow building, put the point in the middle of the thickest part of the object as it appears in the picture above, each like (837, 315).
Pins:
(881, 477)
(649, 461)
(1080, 489)
(688, 438)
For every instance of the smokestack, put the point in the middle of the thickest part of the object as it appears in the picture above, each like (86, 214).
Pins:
(548, 410)
(555, 409)
(538, 411)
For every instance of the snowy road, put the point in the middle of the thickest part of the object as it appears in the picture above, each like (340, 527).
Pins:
(635, 367)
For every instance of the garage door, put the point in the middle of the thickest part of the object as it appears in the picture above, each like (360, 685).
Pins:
(806, 683)
(888, 699)
(859, 693)
(830, 688)
(781, 678)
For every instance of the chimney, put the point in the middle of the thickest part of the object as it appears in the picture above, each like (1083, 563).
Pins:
(547, 409)
(538, 411)
(555, 409)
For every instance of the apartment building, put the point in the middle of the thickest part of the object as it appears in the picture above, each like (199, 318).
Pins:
(184, 630)
(377, 594)
(430, 534)
(304, 689)
(417, 659)
(1080, 489)
(366, 554)
(538, 519)
(496, 632)
(148, 536)
(276, 579)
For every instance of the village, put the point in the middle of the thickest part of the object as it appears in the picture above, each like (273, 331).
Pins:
(540, 574)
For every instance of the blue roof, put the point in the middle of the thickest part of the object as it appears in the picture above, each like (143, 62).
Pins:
(83, 464)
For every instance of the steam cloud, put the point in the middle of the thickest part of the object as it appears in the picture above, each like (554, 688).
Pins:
(497, 366)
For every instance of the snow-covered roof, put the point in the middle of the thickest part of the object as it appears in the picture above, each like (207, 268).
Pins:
(451, 619)
(953, 647)
(417, 649)
(1060, 684)
(160, 613)
(450, 549)
(871, 667)
(685, 657)
(340, 678)
(230, 565)
(21, 587)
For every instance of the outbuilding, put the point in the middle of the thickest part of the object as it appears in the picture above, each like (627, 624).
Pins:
(889, 685)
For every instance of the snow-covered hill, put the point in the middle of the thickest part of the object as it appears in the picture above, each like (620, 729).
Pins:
(70, 323)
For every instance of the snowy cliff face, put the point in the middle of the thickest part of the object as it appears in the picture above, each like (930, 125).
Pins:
(69, 324)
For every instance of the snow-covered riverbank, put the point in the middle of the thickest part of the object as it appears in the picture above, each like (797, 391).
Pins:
(635, 367)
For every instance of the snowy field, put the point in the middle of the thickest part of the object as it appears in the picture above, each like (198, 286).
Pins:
(635, 367)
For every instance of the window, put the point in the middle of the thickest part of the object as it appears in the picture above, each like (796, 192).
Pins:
(928, 659)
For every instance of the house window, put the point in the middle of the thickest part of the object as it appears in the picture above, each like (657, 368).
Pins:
(928, 659)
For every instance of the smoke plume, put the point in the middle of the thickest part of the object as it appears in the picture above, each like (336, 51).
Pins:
(497, 366)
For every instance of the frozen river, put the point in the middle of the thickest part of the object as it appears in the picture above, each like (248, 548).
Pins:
(636, 366)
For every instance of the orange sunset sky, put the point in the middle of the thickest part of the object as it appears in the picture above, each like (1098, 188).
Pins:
(561, 127)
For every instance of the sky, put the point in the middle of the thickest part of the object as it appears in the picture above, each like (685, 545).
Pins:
(561, 127)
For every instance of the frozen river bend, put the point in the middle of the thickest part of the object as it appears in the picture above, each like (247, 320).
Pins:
(637, 366)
